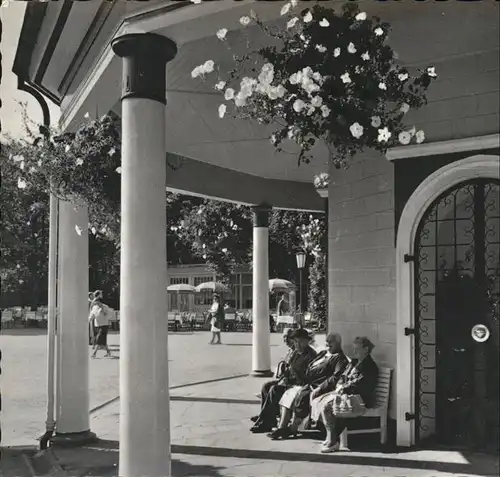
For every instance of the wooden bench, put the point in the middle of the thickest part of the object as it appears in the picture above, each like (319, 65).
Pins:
(380, 410)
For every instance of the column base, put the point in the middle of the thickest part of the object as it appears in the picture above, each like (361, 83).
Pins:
(74, 439)
(262, 374)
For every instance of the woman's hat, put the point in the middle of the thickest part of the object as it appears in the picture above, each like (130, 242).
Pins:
(300, 333)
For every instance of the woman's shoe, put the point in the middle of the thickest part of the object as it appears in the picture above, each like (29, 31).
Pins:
(281, 433)
(260, 428)
(254, 418)
(326, 448)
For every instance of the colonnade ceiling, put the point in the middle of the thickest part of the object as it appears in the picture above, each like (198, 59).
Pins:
(86, 76)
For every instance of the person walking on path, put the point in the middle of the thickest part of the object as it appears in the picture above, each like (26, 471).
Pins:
(216, 319)
(99, 315)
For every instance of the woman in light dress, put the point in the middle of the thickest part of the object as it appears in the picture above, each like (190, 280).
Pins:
(216, 319)
(357, 383)
(99, 315)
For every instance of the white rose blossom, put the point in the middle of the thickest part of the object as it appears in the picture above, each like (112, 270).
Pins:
(321, 48)
(404, 138)
(405, 107)
(324, 23)
(351, 48)
(378, 31)
(78, 230)
(79, 162)
(431, 71)
(346, 78)
(317, 101)
(325, 111)
(384, 135)
(361, 16)
(67, 148)
(285, 9)
(403, 76)
(118, 170)
(420, 137)
(240, 100)
(308, 17)
(229, 94)
(298, 105)
(208, 66)
(245, 21)
(220, 85)
(376, 121)
(356, 130)
(291, 23)
(222, 110)
(365, 56)
(221, 34)
(336, 52)
(382, 86)
(21, 183)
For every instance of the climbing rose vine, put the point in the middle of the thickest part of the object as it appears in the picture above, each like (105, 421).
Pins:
(326, 76)
(83, 167)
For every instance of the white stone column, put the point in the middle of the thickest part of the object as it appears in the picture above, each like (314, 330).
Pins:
(144, 395)
(261, 347)
(72, 407)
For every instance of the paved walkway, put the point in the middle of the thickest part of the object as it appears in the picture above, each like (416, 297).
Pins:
(210, 437)
(210, 407)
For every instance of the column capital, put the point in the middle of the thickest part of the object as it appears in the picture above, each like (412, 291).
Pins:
(145, 56)
(261, 215)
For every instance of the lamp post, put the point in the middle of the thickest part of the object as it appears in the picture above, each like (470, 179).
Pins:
(301, 262)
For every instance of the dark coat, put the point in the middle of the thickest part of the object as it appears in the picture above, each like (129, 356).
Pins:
(326, 374)
(220, 316)
(295, 374)
(361, 378)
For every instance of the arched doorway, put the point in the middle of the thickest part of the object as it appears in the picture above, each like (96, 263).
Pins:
(421, 201)
(457, 250)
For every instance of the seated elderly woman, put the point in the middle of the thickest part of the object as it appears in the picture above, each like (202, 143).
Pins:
(282, 365)
(291, 373)
(353, 393)
(322, 373)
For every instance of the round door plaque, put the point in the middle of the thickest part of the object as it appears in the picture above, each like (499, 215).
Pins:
(480, 333)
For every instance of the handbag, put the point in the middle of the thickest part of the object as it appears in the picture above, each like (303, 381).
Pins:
(347, 405)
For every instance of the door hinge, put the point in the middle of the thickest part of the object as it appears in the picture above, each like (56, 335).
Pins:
(408, 258)
(409, 416)
(410, 331)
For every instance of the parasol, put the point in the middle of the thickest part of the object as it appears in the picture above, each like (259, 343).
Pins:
(212, 286)
(280, 285)
(181, 288)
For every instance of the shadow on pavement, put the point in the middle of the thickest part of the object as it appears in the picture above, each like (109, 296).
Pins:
(23, 331)
(214, 400)
(474, 467)
(244, 344)
(101, 459)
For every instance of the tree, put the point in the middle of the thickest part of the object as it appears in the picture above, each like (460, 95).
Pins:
(24, 244)
(221, 235)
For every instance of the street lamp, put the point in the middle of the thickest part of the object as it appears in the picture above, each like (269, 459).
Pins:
(301, 263)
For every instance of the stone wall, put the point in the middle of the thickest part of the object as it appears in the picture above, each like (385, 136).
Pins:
(362, 266)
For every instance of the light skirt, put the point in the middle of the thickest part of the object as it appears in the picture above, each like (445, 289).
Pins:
(289, 396)
(328, 400)
(214, 329)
